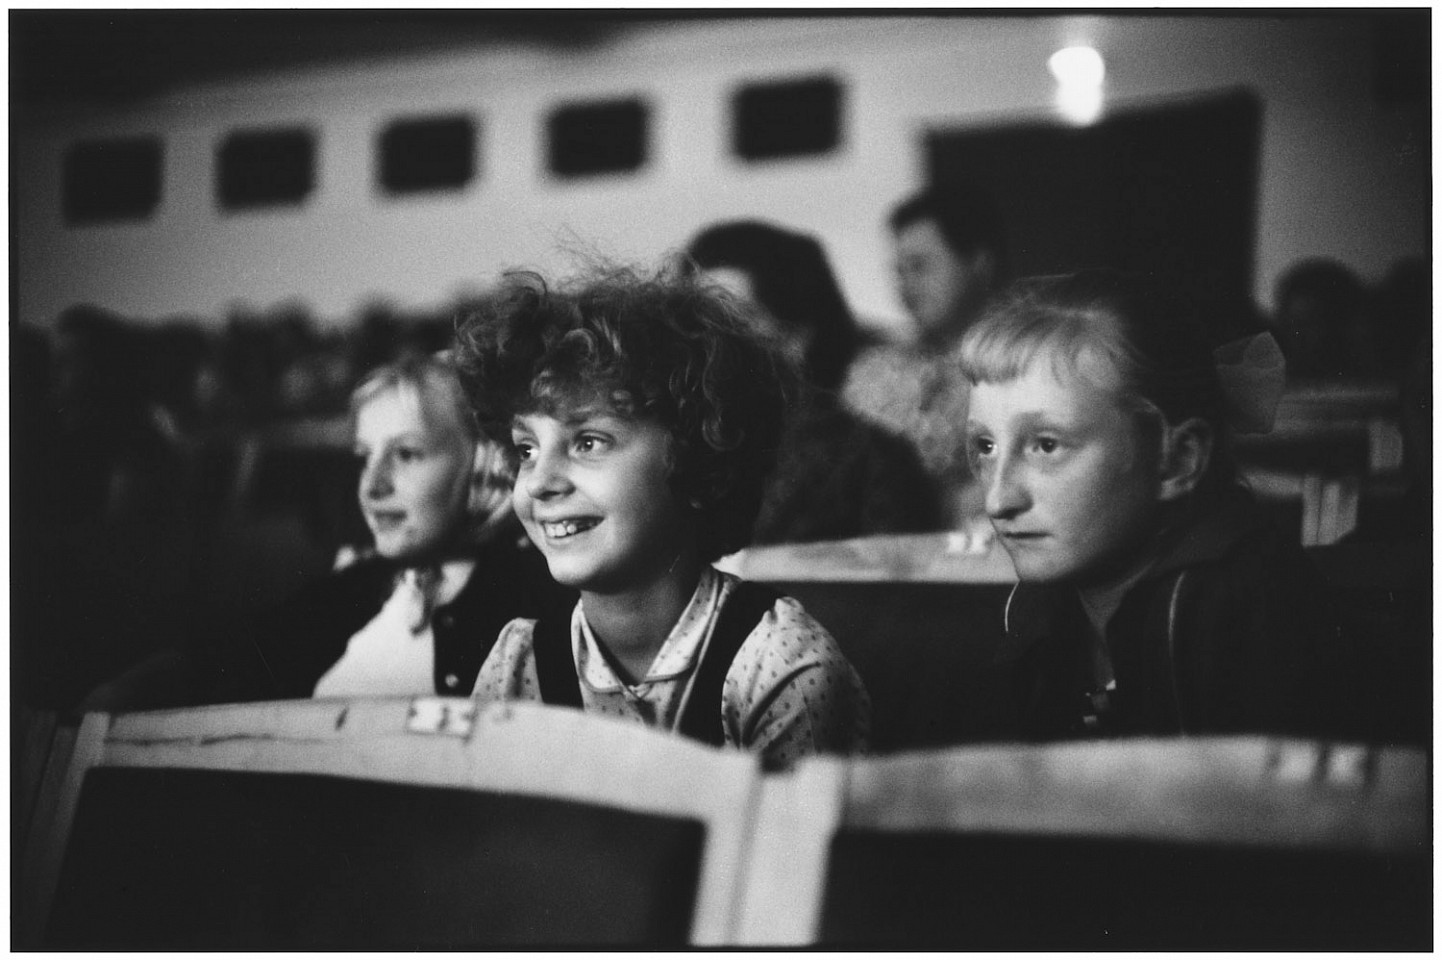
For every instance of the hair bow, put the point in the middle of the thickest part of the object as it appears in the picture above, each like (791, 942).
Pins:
(1253, 374)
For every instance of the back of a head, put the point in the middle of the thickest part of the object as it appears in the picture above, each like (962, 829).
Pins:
(1331, 283)
(100, 363)
(1404, 309)
(1320, 305)
(793, 282)
(663, 347)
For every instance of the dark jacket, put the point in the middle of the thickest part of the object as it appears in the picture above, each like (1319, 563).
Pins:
(1231, 631)
(838, 476)
(286, 652)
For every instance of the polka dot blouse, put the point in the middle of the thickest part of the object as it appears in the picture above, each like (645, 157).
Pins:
(789, 692)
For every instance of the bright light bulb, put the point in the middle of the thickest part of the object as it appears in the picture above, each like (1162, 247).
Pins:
(1079, 105)
(1079, 73)
(1078, 67)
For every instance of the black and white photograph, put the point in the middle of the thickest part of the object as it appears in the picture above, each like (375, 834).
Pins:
(721, 477)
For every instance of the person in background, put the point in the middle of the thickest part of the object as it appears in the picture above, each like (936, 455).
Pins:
(837, 476)
(786, 274)
(643, 415)
(950, 256)
(1321, 321)
(417, 613)
(1402, 317)
(1154, 597)
(117, 464)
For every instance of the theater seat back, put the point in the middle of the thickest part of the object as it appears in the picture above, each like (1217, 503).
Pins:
(1200, 844)
(385, 824)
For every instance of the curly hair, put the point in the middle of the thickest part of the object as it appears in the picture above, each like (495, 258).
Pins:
(662, 347)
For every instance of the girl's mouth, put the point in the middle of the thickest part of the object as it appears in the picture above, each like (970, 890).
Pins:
(387, 520)
(561, 529)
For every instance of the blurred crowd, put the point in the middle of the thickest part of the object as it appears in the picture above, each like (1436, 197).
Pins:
(118, 398)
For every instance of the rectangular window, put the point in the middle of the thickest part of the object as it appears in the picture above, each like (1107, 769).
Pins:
(596, 138)
(105, 181)
(263, 168)
(793, 118)
(430, 153)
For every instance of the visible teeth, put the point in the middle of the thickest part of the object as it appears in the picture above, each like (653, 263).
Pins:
(567, 528)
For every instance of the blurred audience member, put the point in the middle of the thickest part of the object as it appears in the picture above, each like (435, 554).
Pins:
(299, 382)
(950, 255)
(33, 417)
(1321, 321)
(1402, 319)
(118, 460)
(786, 275)
(34, 471)
(187, 387)
(1406, 296)
(836, 476)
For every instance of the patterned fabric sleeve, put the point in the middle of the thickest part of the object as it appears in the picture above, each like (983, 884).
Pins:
(509, 672)
(791, 692)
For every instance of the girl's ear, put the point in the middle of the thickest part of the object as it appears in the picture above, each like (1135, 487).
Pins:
(1186, 452)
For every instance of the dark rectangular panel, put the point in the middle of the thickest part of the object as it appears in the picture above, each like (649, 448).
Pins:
(164, 859)
(586, 139)
(793, 118)
(262, 168)
(430, 153)
(111, 180)
(988, 892)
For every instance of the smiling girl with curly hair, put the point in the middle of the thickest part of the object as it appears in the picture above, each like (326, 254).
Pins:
(643, 416)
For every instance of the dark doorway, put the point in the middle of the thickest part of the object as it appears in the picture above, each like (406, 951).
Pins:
(1168, 190)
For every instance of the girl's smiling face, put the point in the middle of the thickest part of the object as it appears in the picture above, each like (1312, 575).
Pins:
(415, 478)
(593, 493)
(1071, 479)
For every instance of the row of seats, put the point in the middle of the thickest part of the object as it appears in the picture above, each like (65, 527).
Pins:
(427, 823)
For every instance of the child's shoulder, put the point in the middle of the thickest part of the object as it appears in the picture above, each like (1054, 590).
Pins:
(785, 629)
(1240, 563)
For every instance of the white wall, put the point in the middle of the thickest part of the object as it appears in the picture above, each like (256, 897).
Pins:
(1335, 177)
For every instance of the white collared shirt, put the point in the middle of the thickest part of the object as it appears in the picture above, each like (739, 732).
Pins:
(789, 692)
(395, 654)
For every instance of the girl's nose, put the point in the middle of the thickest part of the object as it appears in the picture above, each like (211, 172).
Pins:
(546, 476)
(1006, 491)
(375, 479)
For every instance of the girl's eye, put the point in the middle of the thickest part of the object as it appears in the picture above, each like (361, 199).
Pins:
(984, 446)
(1047, 444)
(409, 454)
(522, 450)
(590, 443)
